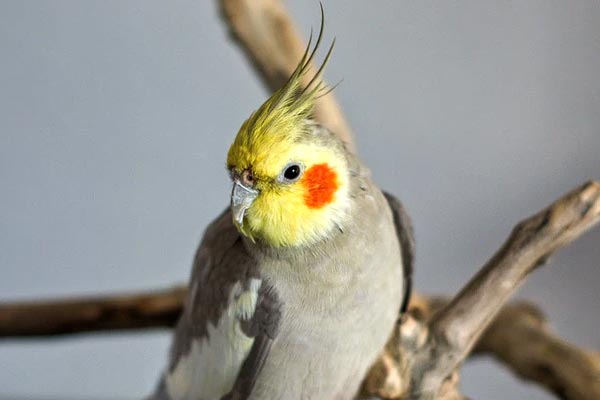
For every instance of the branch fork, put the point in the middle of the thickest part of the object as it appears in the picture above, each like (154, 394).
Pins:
(430, 342)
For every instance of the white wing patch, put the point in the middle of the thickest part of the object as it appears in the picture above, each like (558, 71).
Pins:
(211, 367)
(246, 302)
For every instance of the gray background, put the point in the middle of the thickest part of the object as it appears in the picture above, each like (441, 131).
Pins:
(115, 118)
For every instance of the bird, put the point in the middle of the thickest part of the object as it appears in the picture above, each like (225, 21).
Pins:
(298, 284)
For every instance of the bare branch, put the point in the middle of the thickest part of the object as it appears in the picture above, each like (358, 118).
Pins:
(422, 357)
(266, 34)
(454, 330)
(520, 338)
(87, 314)
(268, 37)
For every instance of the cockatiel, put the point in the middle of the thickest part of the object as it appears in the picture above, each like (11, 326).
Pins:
(297, 286)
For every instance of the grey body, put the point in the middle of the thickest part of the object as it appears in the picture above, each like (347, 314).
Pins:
(338, 315)
(332, 305)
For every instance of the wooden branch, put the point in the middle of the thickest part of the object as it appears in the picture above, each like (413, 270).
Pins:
(268, 37)
(77, 315)
(421, 359)
(520, 338)
(452, 332)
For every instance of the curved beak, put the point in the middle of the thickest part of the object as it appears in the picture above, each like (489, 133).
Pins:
(242, 198)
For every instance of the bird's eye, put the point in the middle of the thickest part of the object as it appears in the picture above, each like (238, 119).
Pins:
(291, 172)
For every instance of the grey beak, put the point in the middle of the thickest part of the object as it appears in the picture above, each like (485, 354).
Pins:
(241, 199)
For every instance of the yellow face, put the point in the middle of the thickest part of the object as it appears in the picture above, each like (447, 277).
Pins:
(290, 185)
(299, 187)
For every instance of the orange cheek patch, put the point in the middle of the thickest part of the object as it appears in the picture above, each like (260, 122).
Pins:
(321, 184)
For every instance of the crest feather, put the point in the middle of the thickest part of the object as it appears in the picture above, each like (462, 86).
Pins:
(289, 109)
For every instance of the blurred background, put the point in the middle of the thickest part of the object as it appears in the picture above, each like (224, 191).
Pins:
(115, 118)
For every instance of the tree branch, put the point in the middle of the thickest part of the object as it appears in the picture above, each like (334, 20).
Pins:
(267, 35)
(88, 314)
(454, 330)
(430, 342)
(518, 337)
(521, 340)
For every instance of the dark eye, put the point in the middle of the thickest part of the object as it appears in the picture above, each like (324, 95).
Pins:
(291, 172)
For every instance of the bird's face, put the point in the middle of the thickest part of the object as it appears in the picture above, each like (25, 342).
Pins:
(290, 184)
(289, 189)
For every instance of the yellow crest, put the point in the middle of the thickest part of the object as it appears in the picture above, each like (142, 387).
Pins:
(283, 117)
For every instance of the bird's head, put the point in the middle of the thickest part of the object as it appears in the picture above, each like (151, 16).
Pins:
(290, 181)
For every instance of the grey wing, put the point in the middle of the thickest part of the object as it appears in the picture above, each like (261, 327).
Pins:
(263, 326)
(218, 336)
(405, 233)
